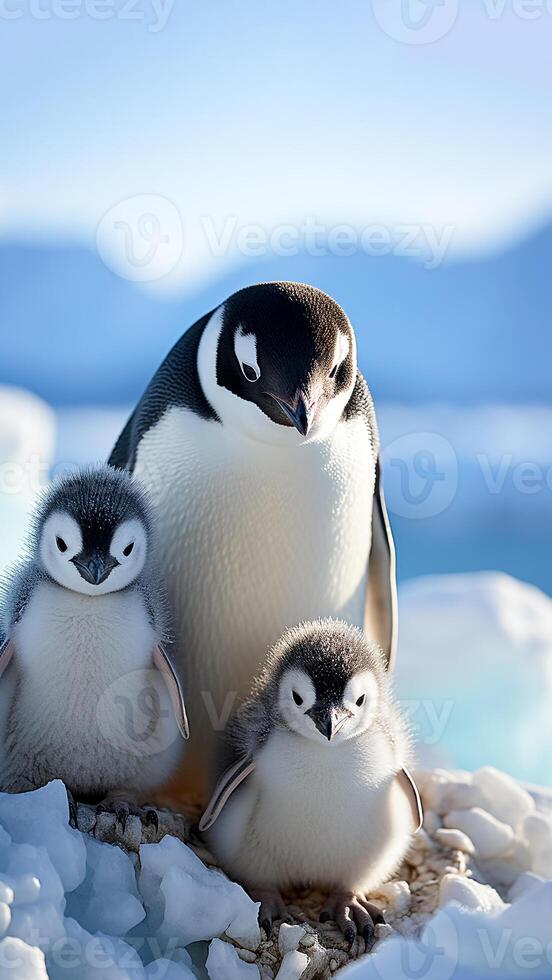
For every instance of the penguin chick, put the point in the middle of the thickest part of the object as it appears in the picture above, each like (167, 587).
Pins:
(87, 686)
(312, 787)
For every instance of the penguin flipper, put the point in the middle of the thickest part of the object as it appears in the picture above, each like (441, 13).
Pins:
(380, 611)
(6, 653)
(229, 781)
(409, 786)
(164, 664)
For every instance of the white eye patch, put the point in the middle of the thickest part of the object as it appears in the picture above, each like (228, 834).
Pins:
(297, 687)
(341, 349)
(362, 687)
(129, 542)
(245, 348)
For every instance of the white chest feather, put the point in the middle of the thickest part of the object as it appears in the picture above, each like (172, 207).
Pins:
(254, 538)
(329, 815)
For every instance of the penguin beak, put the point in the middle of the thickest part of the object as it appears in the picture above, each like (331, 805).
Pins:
(328, 720)
(93, 569)
(296, 411)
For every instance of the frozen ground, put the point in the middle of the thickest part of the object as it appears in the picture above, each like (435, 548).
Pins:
(475, 901)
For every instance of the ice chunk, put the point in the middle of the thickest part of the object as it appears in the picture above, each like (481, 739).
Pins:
(293, 966)
(523, 883)
(197, 903)
(503, 796)
(39, 924)
(21, 962)
(223, 963)
(397, 895)
(5, 918)
(107, 901)
(468, 893)
(500, 631)
(32, 874)
(41, 818)
(454, 839)
(289, 937)
(6, 891)
(490, 837)
(164, 969)
(82, 956)
(27, 431)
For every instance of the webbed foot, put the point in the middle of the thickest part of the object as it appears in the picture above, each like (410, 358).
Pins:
(354, 915)
(272, 907)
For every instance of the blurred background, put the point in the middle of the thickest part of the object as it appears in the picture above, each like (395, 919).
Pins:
(395, 153)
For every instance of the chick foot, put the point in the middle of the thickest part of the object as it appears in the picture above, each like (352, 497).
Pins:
(272, 907)
(354, 915)
(123, 808)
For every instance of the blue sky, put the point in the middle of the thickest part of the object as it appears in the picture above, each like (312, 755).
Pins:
(270, 112)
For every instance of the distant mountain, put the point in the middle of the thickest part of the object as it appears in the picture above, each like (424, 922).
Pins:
(468, 332)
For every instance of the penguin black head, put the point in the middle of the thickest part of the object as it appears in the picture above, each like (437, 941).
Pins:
(279, 362)
(92, 530)
(325, 681)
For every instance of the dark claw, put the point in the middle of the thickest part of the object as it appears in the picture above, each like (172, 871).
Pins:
(378, 918)
(151, 819)
(324, 916)
(350, 935)
(368, 935)
(122, 814)
(267, 926)
(72, 809)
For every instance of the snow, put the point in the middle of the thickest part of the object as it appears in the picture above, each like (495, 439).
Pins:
(72, 907)
(192, 902)
(459, 944)
(482, 929)
(454, 628)
(27, 435)
(223, 963)
(490, 836)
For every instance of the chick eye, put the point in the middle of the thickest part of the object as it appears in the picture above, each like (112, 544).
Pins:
(360, 700)
(127, 551)
(61, 546)
(333, 371)
(297, 698)
(250, 373)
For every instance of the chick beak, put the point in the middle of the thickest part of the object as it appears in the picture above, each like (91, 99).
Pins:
(297, 412)
(328, 721)
(93, 569)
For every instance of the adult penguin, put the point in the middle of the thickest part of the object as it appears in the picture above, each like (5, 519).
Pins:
(257, 440)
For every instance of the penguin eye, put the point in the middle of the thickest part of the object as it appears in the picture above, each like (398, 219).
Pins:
(128, 550)
(61, 546)
(249, 372)
(360, 700)
(297, 698)
(333, 371)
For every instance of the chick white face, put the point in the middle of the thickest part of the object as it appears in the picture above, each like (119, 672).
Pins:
(77, 562)
(277, 381)
(333, 719)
